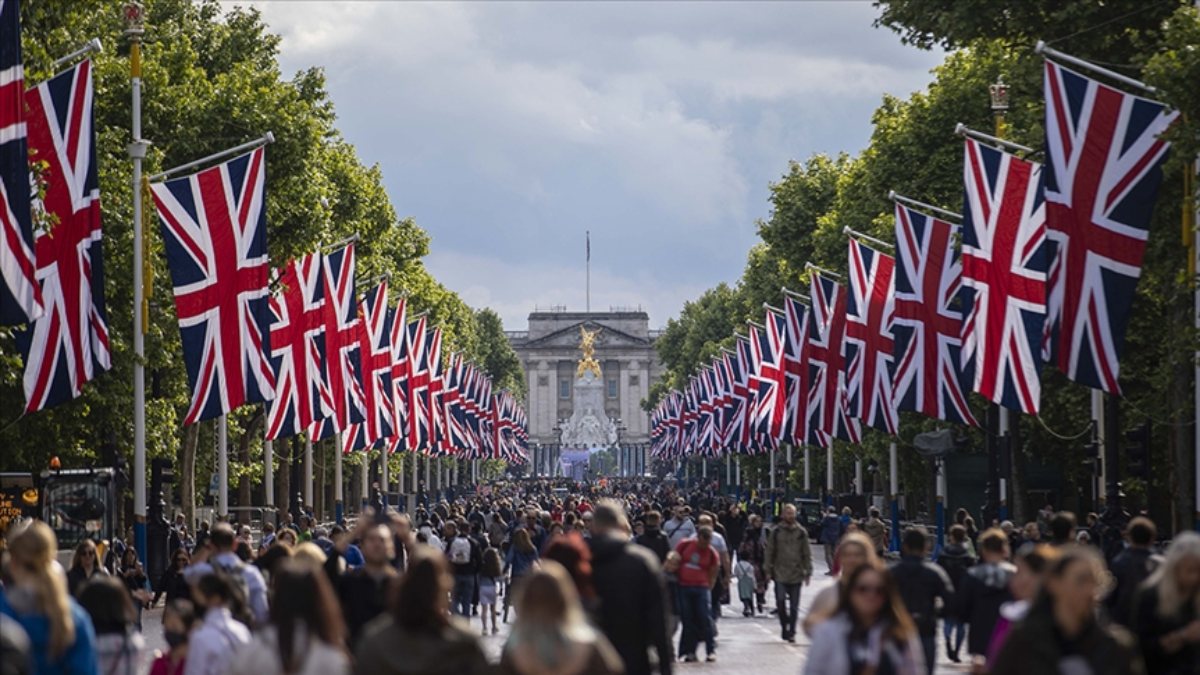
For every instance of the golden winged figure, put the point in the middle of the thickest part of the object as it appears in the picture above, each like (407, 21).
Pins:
(587, 348)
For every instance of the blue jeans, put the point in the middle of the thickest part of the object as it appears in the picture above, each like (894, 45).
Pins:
(464, 593)
(696, 616)
(955, 632)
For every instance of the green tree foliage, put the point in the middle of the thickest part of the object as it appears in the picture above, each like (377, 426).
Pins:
(914, 152)
(211, 81)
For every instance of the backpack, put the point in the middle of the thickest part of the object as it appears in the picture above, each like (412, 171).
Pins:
(460, 551)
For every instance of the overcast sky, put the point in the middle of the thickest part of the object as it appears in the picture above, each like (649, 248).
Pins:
(508, 130)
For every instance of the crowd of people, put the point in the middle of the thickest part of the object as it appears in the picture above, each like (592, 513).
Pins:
(612, 577)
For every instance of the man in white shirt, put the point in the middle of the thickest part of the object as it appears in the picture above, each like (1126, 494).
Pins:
(223, 541)
(212, 645)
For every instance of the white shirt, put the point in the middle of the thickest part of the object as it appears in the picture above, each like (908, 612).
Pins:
(211, 647)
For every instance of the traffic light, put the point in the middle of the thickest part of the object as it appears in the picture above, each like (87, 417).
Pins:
(1137, 452)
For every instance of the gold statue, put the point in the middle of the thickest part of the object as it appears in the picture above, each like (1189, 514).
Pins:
(587, 347)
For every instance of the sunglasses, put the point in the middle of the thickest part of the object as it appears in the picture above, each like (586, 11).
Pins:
(871, 589)
(88, 553)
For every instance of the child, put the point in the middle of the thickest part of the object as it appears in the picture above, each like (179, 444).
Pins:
(744, 573)
(489, 577)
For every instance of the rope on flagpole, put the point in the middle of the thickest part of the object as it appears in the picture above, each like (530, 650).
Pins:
(1087, 430)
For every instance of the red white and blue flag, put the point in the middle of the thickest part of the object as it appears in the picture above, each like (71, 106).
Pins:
(375, 368)
(68, 344)
(795, 364)
(828, 404)
(398, 325)
(1104, 166)
(20, 297)
(769, 378)
(298, 349)
(1004, 275)
(418, 387)
(436, 425)
(870, 343)
(341, 344)
(214, 227)
(928, 324)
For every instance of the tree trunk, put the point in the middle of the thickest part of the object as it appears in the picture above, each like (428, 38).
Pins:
(1182, 504)
(319, 489)
(244, 458)
(1017, 510)
(187, 473)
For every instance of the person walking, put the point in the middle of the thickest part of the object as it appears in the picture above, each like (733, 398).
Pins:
(60, 632)
(220, 634)
(698, 569)
(853, 551)
(551, 634)
(955, 560)
(923, 585)
(789, 564)
(1131, 567)
(464, 556)
(871, 632)
(224, 541)
(653, 538)
(417, 636)
(680, 526)
(632, 597)
(1062, 634)
(1166, 612)
(304, 634)
(984, 590)
(490, 573)
(1031, 561)
(757, 555)
(84, 566)
(119, 645)
(362, 592)
(830, 533)
(178, 619)
(520, 560)
(877, 530)
(743, 571)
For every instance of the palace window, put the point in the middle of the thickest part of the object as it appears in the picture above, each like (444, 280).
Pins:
(612, 388)
(564, 388)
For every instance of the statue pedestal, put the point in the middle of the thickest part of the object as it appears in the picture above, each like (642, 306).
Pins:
(589, 426)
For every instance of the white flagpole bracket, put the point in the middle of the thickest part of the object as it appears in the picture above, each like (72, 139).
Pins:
(244, 147)
(1052, 53)
(92, 47)
(855, 233)
(822, 270)
(922, 205)
(961, 129)
(794, 294)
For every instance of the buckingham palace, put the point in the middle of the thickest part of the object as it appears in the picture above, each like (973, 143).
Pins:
(587, 374)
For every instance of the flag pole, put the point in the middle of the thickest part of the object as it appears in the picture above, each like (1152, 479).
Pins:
(1196, 316)
(222, 466)
(338, 505)
(132, 12)
(922, 205)
(237, 149)
(961, 129)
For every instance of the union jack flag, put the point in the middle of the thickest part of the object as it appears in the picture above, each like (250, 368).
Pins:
(828, 404)
(769, 377)
(744, 396)
(928, 325)
(398, 322)
(1102, 175)
(1004, 275)
(215, 233)
(433, 356)
(418, 387)
(68, 344)
(456, 439)
(375, 367)
(341, 345)
(298, 349)
(20, 297)
(795, 364)
(869, 339)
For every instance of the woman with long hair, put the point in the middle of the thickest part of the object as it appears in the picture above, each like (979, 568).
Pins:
(551, 635)
(521, 559)
(221, 632)
(572, 552)
(853, 551)
(871, 631)
(489, 580)
(1061, 633)
(178, 619)
(1166, 614)
(173, 584)
(1031, 561)
(85, 564)
(119, 645)
(418, 637)
(134, 578)
(60, 632)
(304, 634)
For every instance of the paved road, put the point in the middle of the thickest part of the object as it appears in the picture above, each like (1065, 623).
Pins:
(743, 641)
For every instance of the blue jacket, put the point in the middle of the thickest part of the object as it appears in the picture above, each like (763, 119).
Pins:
(78, 659)
(831, 529)
(520, 563)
